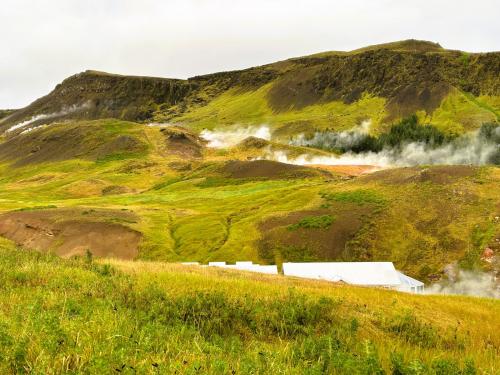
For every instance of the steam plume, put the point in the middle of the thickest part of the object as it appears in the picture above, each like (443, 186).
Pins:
(47, 116)
(470, 149)
(231, 137)
(475, 148)
(335, 140)
(468, 283)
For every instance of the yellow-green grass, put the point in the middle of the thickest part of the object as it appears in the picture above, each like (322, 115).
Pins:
(461, 112)
(237, 107)
(84, 316)
(458, 113)
(421, 225)
(186, 221)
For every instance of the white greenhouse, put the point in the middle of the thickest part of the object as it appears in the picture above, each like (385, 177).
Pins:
(381, 274)
(377, 274)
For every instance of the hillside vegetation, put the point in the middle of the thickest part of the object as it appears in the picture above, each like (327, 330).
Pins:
(83, 316)
(187, 202)
(109, 180)
(456, 91)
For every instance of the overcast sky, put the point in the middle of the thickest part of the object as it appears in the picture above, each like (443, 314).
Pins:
(44, 41)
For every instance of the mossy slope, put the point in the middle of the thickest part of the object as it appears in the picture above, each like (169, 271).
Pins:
(83, 316)
(329, 90)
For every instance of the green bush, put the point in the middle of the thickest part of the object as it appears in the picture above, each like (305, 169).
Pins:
(360, 196)
(313, 222)
(408, 130)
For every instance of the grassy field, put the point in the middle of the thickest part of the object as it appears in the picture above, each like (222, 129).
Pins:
(95, 215)
(421, 218)
(86, 316)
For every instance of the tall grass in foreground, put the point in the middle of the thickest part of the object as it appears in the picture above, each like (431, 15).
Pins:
(83, 316)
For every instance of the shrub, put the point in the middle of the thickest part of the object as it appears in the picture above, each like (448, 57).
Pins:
(409, 130)
(360, 196)
(313, 222)
(408, 328)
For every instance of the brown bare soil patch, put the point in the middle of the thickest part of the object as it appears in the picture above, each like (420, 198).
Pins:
(69, 232)
(182, 142)
(347, 170)
(251, 143)
(267, 169)
(280, 242)
(437, 174)
(116, 190)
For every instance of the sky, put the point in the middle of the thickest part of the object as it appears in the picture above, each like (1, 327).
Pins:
(44, 41)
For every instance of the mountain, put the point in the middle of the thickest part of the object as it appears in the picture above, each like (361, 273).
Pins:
(387, 153)
(454, 90)
(134, 158)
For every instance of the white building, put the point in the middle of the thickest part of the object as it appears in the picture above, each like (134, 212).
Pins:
(381, 274)
(409, 284)
(378, 274)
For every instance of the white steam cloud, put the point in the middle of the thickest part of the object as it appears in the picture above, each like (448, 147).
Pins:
(470, 283)
(233, 136)
(47, 116)
(470, 149)
(345, 139)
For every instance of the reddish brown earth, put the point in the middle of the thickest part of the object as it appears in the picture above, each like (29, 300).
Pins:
(444, 174)
(348, 170)
(267, 169)
(279, 242)
(69, 232)
(182, 142)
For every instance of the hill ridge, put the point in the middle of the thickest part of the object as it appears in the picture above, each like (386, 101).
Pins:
(398, 79)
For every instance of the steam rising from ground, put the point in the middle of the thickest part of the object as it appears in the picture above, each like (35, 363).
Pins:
(469, 149)
(233, 136)
(47, 116)
(474, 148)
(468, 283)
(335, 140)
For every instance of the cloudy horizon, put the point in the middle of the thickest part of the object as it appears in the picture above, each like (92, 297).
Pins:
(46, 41)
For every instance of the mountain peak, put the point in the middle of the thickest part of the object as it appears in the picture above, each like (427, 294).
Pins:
(408, 45)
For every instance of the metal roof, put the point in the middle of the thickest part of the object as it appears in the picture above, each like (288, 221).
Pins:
(357, 273)
(410, 281)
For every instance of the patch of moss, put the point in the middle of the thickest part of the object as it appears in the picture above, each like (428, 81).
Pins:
(360, 197)
(313, 222)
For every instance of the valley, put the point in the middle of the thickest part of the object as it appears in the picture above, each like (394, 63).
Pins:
(386, 153)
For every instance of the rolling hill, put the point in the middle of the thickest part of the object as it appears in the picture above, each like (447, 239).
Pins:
(386, 153)
(187, 201)
(90, 316)
(456, 91)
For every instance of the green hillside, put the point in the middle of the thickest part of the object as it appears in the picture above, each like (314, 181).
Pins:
(108, 181)
(188, 202)
(454, 90)
(85, 316)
